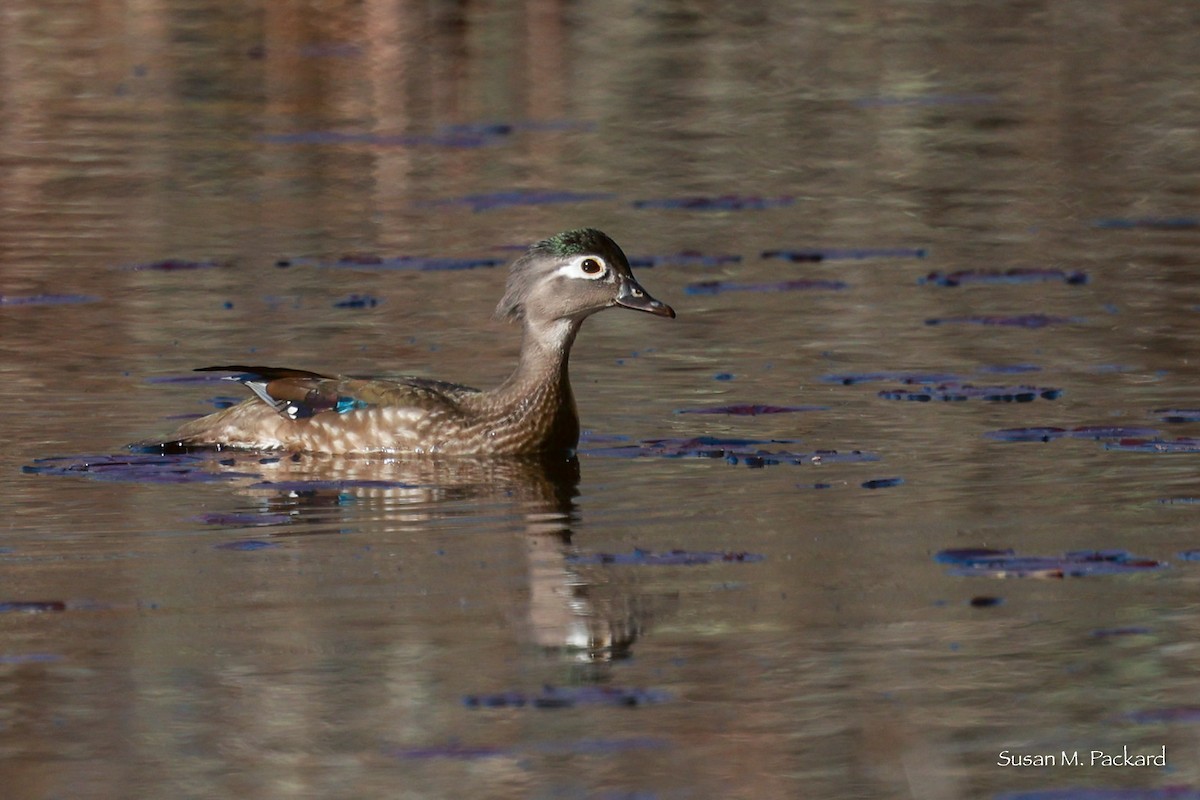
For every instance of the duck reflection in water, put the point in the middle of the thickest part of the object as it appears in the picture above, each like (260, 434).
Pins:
(577, 609)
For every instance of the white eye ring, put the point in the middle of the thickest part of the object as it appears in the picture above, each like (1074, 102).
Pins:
(589, 268)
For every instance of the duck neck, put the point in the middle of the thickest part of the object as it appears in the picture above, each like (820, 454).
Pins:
(537, 397)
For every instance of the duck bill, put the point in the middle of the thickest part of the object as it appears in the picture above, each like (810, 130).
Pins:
(634, 296)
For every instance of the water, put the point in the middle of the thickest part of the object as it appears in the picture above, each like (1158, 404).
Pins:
(364, 628)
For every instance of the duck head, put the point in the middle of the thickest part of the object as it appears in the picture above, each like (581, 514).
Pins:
(572, 275)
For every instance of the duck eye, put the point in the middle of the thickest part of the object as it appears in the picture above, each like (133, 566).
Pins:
(591, 266)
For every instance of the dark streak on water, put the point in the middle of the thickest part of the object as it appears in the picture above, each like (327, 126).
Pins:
(519, 197)
(844, 254)
(1017, 321)
(1148, 223)
(458, 750)
(727, 202)
(1098, 432)
(1076, 564)
(31, 606)
(1138, 445)
(959, 392)
(670, 558)
(751, 410)
(734, 451)
(1011, 276)
(175, 265)
(10, 300)
(551, 697)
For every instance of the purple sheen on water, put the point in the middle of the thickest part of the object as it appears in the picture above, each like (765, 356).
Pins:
(29, 658)
(594, 746)
(751, 410)
(1132, 630)
(818, 254)
(1075, 564)
(31, 606)
(1094, 432)
(476, 129)
(551, 697)
(1010, 369)
(668, 558)
(1016, 321)
(1139, 445)
(964, 555)
(908, 378)
(1148, 223)
(519, 197)
(1099, 432)
(137, 467)
(733, 451)
(725, 202)
(599, 746)
(9, 300)
(1011, 276)
(590, 437)
(959, 392)
(175, 265)
(411, 263)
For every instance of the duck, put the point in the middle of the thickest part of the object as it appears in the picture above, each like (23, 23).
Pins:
(551, 289)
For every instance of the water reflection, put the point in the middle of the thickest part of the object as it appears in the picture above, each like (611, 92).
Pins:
(567, 606)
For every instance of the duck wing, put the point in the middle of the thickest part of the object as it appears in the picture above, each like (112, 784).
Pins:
(299, 394)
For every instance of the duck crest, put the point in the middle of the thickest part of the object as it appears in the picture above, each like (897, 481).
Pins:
(552, 288)
(577, 242)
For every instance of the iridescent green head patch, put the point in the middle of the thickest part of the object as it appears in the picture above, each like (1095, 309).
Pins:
(576, 242)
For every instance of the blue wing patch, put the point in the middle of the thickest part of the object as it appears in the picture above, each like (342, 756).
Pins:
(345, 404)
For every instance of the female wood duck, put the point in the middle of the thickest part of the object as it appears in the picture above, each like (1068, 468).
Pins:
(551, 289)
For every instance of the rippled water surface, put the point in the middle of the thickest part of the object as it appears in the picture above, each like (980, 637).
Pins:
(910, 483)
